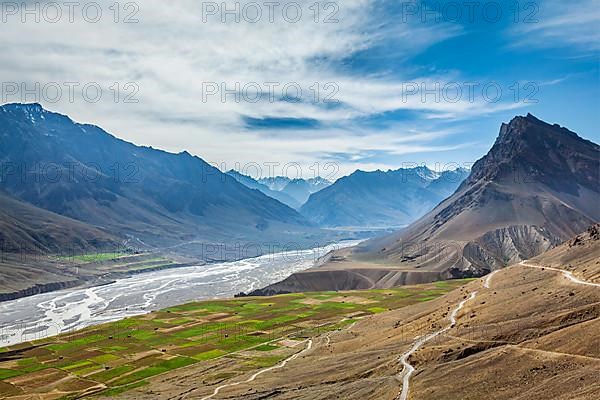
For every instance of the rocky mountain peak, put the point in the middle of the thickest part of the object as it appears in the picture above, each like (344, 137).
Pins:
(31, 111)
(528, 148)
(25, 107)
(526, 128)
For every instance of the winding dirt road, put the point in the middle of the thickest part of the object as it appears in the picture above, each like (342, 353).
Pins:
(409, 370)
(569, 275)
(488, 280)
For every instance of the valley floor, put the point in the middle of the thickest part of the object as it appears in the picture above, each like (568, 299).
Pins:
(525, 332)
(530, 334)
(209, 342)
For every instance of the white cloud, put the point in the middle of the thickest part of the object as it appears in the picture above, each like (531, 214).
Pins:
(556, 23)
(171, 53)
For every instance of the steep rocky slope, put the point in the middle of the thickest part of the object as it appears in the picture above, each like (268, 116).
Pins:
(528, 333)
(537, 186)
(578, 255)
(152, 198)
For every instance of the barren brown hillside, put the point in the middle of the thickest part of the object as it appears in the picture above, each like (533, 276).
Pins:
(528, 333)
(538, 186)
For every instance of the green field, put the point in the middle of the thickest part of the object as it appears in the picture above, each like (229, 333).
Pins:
(124, 262)
(119, 356)
(94, 257)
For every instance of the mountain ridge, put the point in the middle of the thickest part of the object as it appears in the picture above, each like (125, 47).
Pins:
(381, 198)
(155, 198)
(251, 183)
(292, 192)
(502, 214)
(537, 180)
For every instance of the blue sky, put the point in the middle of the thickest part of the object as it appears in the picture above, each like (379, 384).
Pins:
(369, 64)
(534, 49)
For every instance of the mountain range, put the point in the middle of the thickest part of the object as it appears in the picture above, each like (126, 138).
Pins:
(369, 200)
(382, 199)
(537, 186)
(146, 198)
(292, 192)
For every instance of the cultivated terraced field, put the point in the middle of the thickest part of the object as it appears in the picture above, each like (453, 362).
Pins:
(252, 333)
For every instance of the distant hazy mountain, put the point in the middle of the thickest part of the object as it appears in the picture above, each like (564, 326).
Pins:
(317, 184)
(538, 186)
(377, 199)
(299, 189)
(277, 183)
(254, 184)
(293, 192)
(152, 197)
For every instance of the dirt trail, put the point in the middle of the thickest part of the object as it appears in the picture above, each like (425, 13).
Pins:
(569, 275)
(409, 370)
(263, 371)
(488, 280)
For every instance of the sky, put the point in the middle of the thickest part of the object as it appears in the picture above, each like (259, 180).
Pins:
(308, 88)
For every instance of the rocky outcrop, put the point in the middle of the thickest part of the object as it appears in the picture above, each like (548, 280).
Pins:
(39, 289)
(506, 246)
